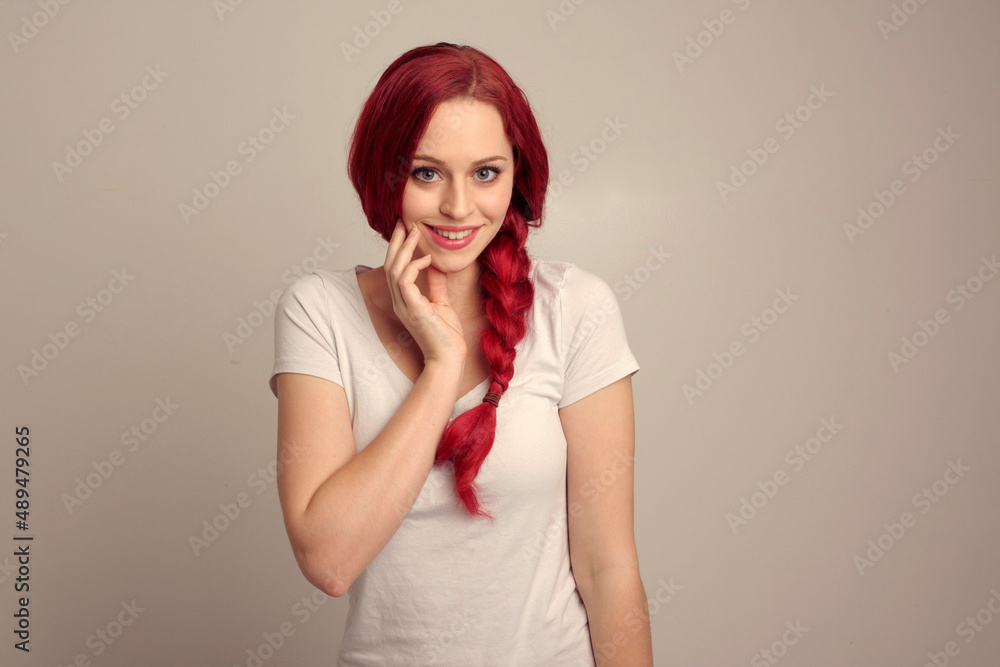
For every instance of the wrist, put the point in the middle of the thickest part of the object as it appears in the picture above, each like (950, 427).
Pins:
(450, 360)
(443, 377)
(444, 368)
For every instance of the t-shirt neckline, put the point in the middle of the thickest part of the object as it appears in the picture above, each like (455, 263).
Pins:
(363, 307)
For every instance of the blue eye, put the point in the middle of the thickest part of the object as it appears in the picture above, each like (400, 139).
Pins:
(487, 174)
(423, 174)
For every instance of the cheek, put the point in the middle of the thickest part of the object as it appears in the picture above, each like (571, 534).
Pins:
(494, 203)
(416, 204)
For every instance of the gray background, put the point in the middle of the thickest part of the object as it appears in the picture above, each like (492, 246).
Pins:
(194, 326)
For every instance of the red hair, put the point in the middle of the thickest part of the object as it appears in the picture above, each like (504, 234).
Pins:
(390, 126)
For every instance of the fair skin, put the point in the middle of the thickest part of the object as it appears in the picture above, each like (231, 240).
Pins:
(340, 507)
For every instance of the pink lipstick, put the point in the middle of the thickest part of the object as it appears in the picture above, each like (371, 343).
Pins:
(465, 236)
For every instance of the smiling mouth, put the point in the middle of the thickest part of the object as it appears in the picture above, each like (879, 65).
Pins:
(452, 235)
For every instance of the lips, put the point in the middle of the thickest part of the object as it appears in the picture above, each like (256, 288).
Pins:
(464, 236)
(453, 234)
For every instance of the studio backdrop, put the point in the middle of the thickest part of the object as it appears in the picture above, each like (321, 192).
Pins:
(795, 203)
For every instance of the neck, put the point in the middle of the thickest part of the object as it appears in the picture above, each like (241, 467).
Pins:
(463, 290)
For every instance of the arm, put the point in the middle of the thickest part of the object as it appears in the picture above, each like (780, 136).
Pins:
(341, 508)
(600, 436)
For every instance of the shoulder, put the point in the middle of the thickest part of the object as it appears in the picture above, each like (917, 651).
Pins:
(568, 283)
(320, 287)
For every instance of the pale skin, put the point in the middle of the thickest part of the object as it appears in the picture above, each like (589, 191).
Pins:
(340, 507)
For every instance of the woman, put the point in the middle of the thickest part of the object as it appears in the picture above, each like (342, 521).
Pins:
(456, 426)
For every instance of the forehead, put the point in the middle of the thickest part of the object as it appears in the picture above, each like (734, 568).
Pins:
(464, 129)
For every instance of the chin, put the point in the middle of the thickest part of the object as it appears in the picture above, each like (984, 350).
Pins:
(451, 264)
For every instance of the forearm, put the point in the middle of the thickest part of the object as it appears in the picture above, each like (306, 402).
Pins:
(618, 615)
(356, 510)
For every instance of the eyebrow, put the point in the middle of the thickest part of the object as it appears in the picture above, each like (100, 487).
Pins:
(428, 158)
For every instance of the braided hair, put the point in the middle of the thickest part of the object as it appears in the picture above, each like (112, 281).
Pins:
(390, 126)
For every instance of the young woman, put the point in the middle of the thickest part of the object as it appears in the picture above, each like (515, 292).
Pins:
(456, 427)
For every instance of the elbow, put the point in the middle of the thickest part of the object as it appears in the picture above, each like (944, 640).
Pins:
(334, 589)
(335, 586)
(326, 573)
(326, 561)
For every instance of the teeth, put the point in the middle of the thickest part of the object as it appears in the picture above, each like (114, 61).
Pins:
(454, 236)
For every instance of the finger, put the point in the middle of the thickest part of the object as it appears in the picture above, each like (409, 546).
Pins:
(413, 269)
(413, 299)
(395, 240)
(404, 275)
(405, 254)
(391, 278)
(437, 286)
(395, 260)
(410, 272)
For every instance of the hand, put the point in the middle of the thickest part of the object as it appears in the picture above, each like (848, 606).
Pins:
(432, 322)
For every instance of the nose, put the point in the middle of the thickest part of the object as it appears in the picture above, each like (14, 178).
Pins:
(456, 201)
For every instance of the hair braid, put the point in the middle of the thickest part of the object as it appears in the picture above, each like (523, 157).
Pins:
(507, 295)
(389, 128)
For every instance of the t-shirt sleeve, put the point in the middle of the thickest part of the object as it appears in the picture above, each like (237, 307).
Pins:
(593, 343)
(303, 334)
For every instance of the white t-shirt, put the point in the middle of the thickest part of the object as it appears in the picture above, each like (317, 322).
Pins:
(448, 589)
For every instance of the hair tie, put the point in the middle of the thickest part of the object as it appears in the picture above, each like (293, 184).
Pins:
(492, 397)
